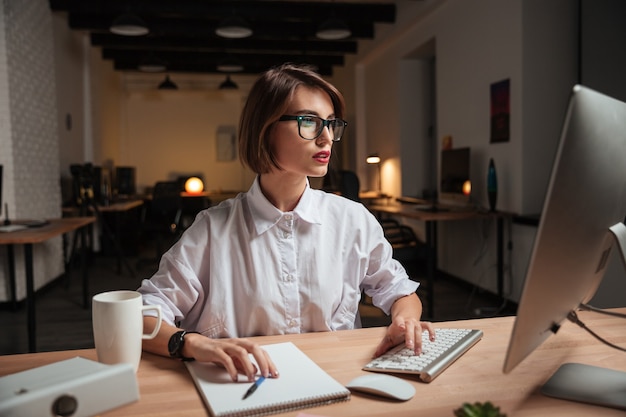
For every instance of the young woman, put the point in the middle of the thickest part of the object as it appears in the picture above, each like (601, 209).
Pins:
(281, 258)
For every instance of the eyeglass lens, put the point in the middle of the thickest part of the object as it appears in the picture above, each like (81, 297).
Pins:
(311, 127)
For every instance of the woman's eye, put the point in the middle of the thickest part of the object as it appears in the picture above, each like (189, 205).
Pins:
(308, 122)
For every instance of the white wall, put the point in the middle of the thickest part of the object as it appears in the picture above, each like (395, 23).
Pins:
(68, 60)
(28, 144)
(476, 44)
(185, 140)
(166, 133)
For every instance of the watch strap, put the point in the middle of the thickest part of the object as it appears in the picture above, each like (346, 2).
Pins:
(176, 344)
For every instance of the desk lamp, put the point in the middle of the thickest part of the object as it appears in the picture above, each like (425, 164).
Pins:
(467, 188)
(194, 185)
(374, 159)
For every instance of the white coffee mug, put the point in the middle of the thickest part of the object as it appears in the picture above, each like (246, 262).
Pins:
(117, 318)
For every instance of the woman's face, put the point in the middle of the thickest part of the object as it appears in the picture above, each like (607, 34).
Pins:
(294, 154)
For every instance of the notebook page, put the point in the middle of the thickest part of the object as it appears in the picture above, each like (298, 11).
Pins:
(302, 383)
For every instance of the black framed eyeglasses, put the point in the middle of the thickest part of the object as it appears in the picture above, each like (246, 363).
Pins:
(311, 127)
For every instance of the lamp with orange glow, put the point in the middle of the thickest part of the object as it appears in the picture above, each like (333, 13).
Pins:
(467, 187)
(194, 185)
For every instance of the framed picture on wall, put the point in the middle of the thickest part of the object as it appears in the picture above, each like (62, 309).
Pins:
(226, 139)
(500, 111)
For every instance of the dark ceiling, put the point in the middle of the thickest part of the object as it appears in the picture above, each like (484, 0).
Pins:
(182, 32)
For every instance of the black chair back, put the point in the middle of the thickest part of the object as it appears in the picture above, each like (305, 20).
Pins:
(349, 185)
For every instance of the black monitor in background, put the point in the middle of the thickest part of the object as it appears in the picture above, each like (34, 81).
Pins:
(455, 172)
(125, 181)
(581, 221)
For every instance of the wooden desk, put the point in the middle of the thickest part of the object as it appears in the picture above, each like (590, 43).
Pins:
(167, 389)
(117, 209)
(27, 238)
(430, 219)
(370, 197)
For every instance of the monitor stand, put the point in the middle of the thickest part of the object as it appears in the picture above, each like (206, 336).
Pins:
(588, 384)
(592, 384)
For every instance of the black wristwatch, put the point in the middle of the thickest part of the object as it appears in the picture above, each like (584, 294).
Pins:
(176, 343)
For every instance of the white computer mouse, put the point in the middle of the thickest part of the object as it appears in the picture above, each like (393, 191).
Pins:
(383, 385)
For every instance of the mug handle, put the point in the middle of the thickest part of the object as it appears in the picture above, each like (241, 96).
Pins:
(158, 323)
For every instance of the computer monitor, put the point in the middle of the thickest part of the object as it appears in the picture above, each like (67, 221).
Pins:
(125, 181)
(455, 172)
(586, 197)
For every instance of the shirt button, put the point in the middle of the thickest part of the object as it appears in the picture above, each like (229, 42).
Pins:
(288, 217)
(293, 323)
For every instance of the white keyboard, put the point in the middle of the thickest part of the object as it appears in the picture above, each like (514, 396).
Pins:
(449, 345)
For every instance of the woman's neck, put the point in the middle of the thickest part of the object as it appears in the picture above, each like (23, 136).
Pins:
(283, 191)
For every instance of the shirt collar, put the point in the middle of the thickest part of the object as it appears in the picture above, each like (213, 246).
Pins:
(265, 214)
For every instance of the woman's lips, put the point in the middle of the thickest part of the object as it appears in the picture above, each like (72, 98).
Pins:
(323, 156)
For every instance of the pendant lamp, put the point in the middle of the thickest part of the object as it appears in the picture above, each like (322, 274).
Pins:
(233, 27)
(228, 84)
(129, 24)
(333, 29)
(168, 84)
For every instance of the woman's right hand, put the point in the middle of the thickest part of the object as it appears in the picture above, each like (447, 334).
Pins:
(232, 354)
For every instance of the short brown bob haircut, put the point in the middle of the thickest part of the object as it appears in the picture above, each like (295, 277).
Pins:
(269, 98)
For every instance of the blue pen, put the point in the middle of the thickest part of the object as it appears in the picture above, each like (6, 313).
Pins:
(253, 387)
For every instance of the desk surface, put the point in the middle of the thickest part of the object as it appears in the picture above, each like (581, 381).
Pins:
(413, 212)
(167, 389)
(54, 228)
(121, 205)
(118, 206)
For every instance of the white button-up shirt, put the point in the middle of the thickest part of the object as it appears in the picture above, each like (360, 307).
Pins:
(245, 268)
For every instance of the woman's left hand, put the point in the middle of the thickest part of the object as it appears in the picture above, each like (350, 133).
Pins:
(408, 331)
(406, 326)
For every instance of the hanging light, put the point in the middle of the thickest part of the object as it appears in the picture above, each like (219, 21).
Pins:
(168, 84)
(129, 25)
(229, 64)
(333, 29)
(228, 84)
(151, 63)
(233, 27)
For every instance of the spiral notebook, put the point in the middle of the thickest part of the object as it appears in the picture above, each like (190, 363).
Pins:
(302, 384)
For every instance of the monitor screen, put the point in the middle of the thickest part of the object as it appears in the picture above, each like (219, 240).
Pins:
(125, 181)
(586, 196)
(455, 171)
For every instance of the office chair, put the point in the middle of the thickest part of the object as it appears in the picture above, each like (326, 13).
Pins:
(411, 253)
(349, 185)
(161, 219)
(191, 206)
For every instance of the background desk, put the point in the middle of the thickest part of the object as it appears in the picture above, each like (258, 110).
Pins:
(114, 240)
(27, 238)
(430, 219)
(167, 389)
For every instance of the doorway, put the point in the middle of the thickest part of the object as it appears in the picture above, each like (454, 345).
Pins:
(418, 132)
